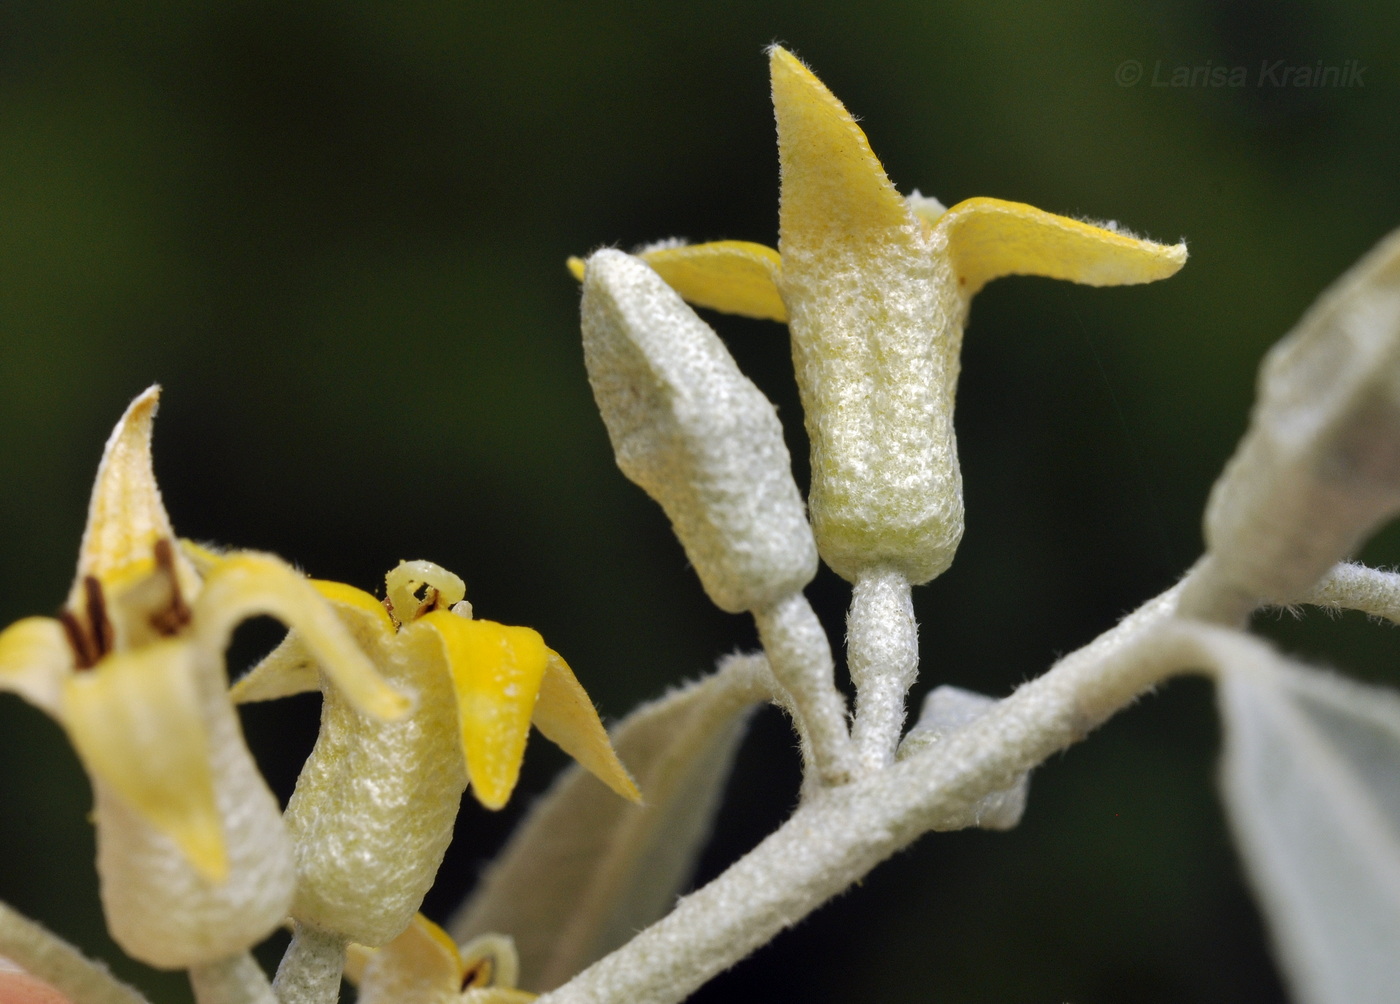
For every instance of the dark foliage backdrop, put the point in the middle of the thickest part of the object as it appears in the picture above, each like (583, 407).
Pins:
(336, 233)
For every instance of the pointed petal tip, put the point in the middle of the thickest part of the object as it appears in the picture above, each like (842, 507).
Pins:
(780, 56)
(126, 516)
(835, 192)
(491, 796)
(565, 715)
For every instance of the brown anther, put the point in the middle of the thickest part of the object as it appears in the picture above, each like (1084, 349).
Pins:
(389, 609)
(83, 655)
(102, 633)
(177, 614)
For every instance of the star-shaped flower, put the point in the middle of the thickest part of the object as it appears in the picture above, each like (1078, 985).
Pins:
(875, 288)
(194, 859)
(374, 807)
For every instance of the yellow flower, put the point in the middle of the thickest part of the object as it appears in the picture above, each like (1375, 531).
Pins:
(374, 806)
(194, 860)
(875, 287)
(423, 965)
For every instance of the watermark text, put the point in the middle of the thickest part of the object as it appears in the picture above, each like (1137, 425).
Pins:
(1280, 73)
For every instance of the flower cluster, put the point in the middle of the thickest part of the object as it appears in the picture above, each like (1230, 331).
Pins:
(196, 859)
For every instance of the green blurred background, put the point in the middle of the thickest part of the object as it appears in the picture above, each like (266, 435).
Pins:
(335, 233)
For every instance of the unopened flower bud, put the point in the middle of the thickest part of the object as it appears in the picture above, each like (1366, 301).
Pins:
(697, 435)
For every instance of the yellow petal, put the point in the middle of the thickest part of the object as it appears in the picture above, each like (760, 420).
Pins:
(989, 238)
(246, 584)
(496, 673)
(290, 668)
(135, 722)
(126, 515)
(360, 611)
(834, 190)
(35, 657)
(737, 277)
(565, 715)
(356, 959)
(420, 966)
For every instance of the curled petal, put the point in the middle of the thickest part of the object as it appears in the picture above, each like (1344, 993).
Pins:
(990, 238)
(34, 660)
(496, 673)
(442, 588)
(247, 584)
(290, 668)
(566, 716)
(136, 724)
(489, 962)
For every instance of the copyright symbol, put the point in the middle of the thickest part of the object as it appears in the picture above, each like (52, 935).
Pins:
(1129, 72)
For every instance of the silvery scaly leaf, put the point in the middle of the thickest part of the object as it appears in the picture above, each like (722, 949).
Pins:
(945, 711)
(694, 432)
(1319, 468)
(1311, 776)
(586, 870)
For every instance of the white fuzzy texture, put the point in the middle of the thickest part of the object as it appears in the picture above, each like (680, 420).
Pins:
(162, 910)
(839, 834)
(1319, 468)
(882, 653)
(235, 980)
(876, 317)
(375, 804)
(945, 711)
(800, 656)
(1311, 775)
(696, 434)
(1356, 587)
(876, 335)
(311, 968)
